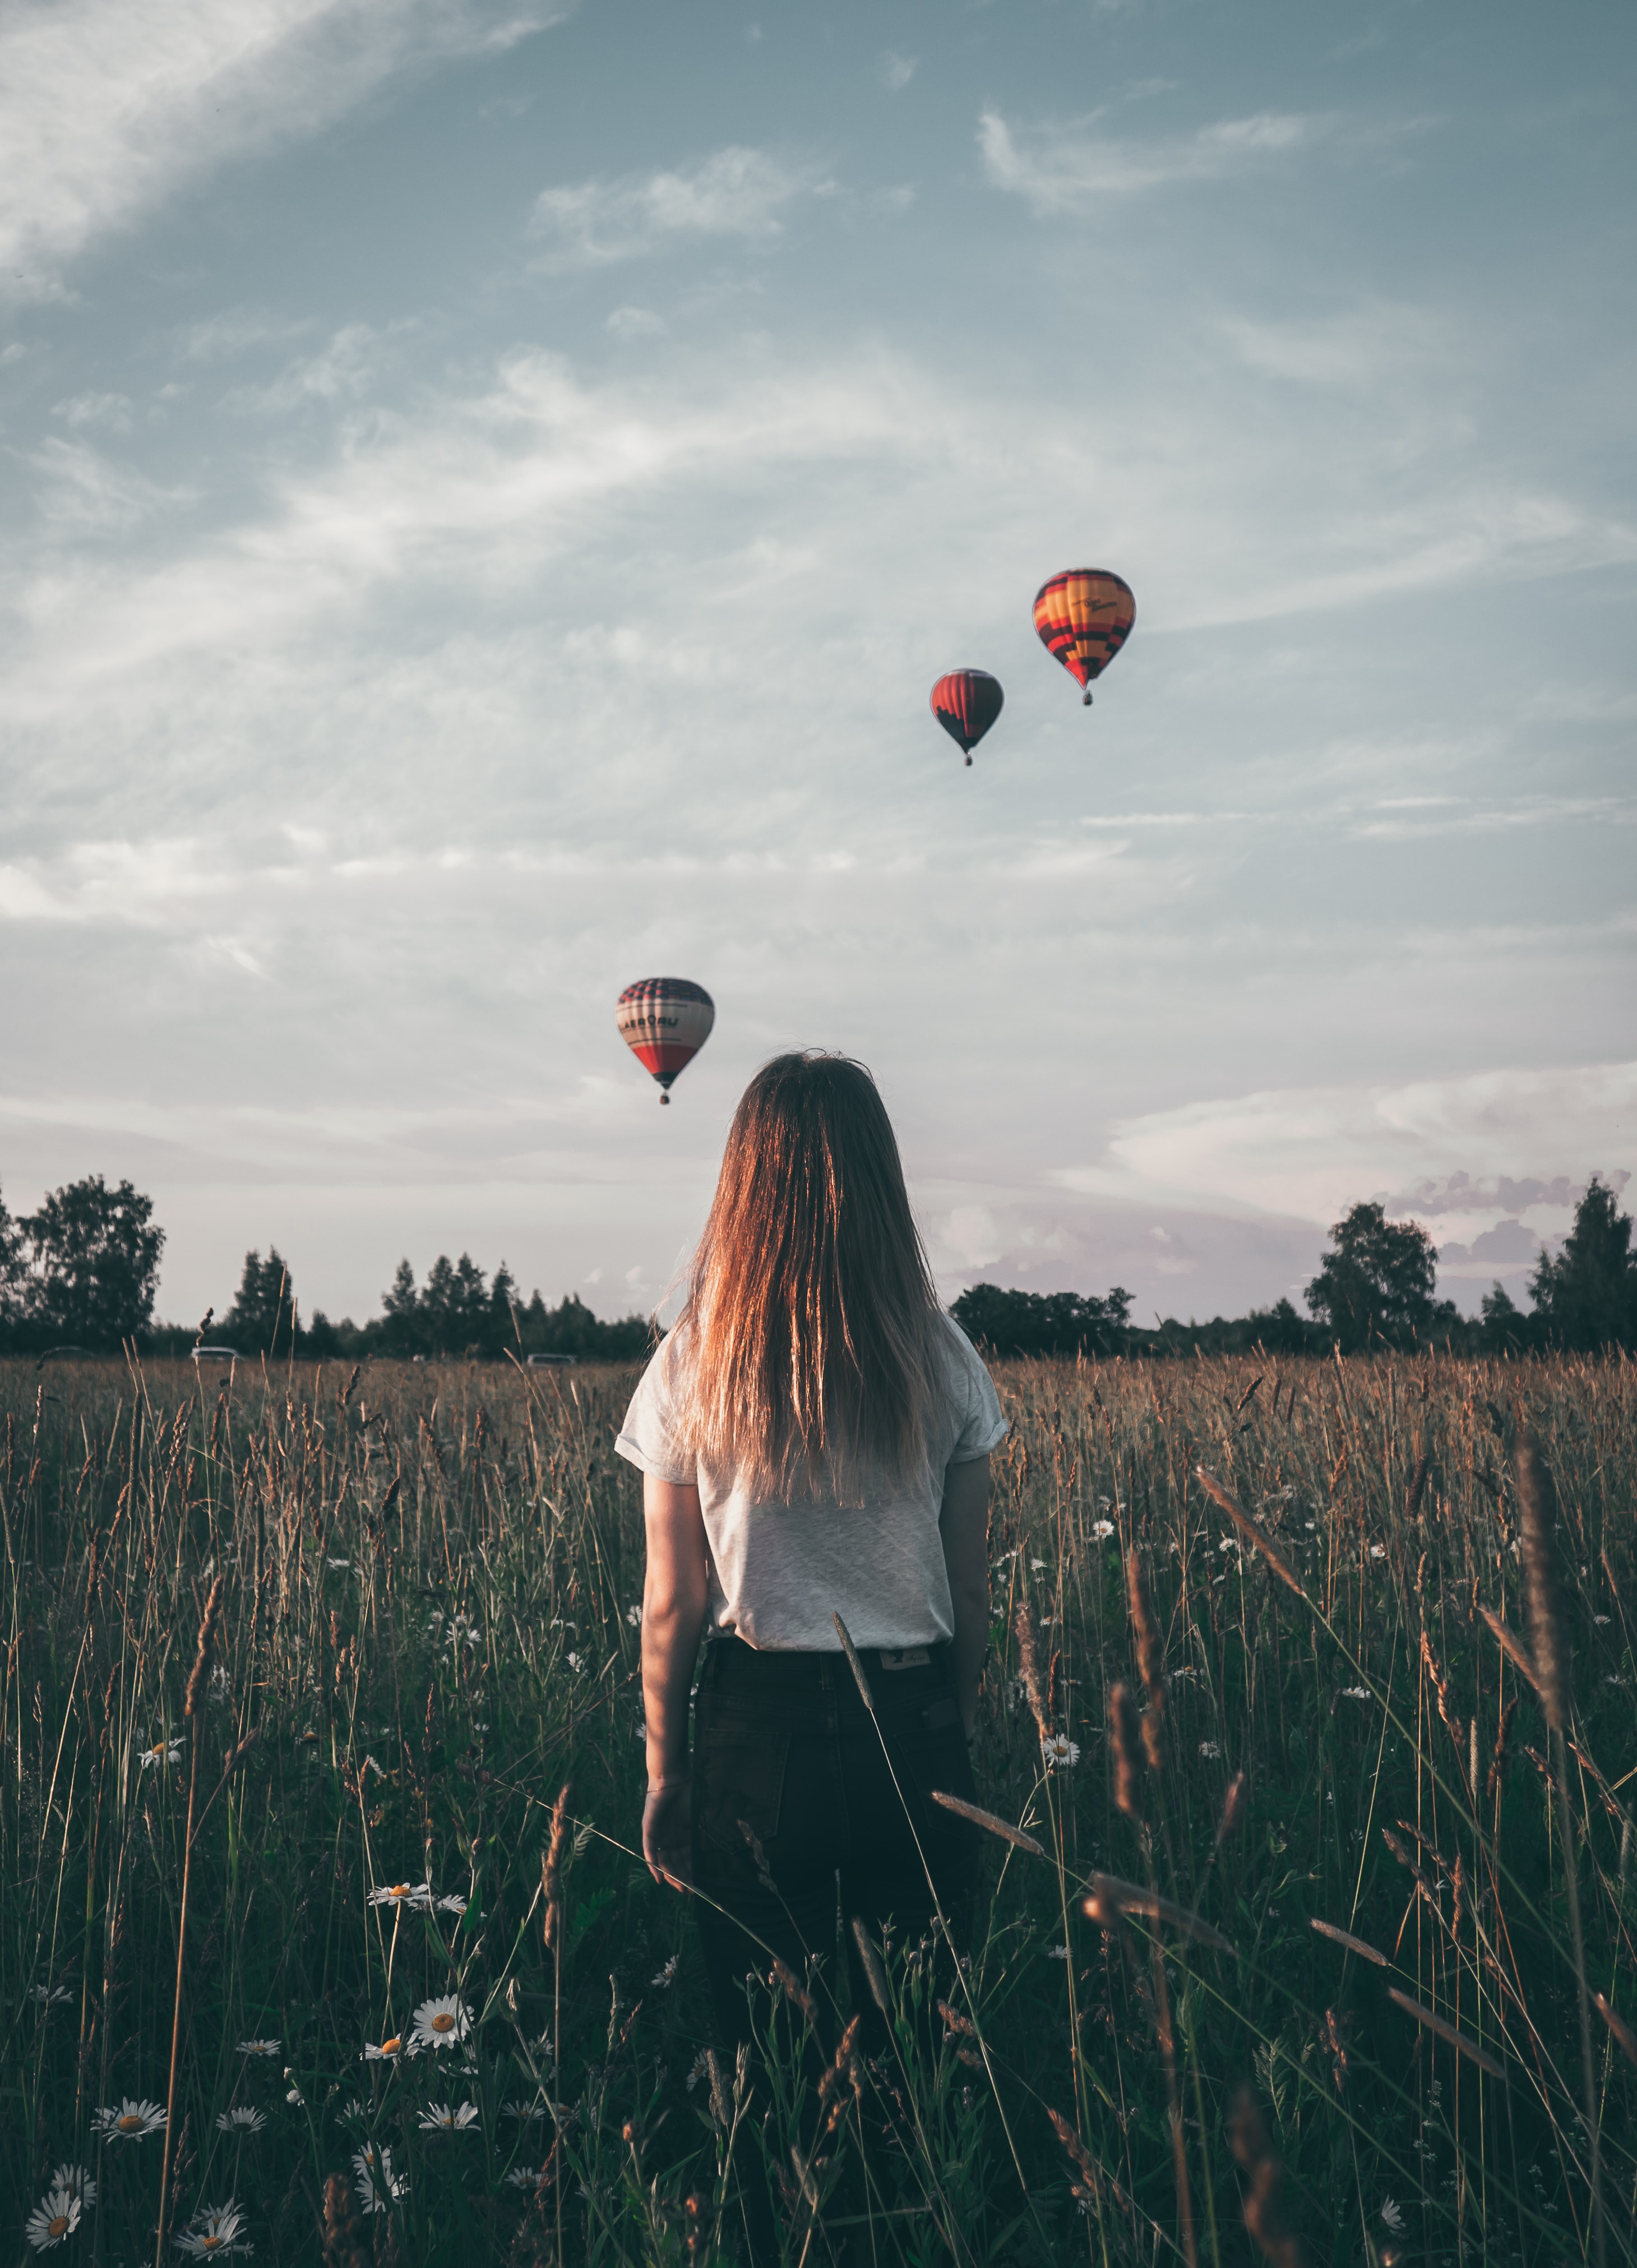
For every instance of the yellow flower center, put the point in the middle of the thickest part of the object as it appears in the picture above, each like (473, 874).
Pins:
(59, 2227)
(391, 2047)
(130, 2123)
(208, 2243)
(443, 2021)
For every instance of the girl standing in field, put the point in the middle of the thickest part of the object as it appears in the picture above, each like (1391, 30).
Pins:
(814, 1437)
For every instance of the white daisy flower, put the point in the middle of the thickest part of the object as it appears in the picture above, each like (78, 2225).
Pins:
(162, 1752)
(1392, 2216)
(416, 1896)
(55, 2217)
(353, 2109)
(131, 2122)
(525, 2177)
(338, 1563)
(293, 2095)
(389, 2049)
(375, 2184)
(77, 2182)
(528, 2114)
(259, 2047)
(666, 1977)
(1210, 1748)
(453, 1903)
(1356, 1693)
(439, 2023)
(1059, 1751)
(575, 1660)
(370, 1765)
(1036, 1565)
(1377, 1550)
(1602, 1621)
(1101, 1530)
(1057, 1953)
(50, 1996)
(221, 1685)
(440, 2118)
(633, 1615)
(217, 2229)
(700, 2069)
(241, 2120)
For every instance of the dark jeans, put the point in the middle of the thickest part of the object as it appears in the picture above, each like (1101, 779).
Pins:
(783, 1743)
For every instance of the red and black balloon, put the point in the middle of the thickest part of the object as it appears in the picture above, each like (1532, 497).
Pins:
(966, 702)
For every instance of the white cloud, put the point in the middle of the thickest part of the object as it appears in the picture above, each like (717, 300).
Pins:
(1312, 1152)
(82, 493)
(108, 106)
(1366, 346)
(1067, 169)
(112, 410)
(636, 323)
(897, 70)
(735, 193)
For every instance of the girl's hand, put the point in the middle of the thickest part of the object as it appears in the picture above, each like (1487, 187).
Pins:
(667, 1825)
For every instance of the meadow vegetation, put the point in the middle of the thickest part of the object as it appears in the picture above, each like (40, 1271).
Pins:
(321, 1928)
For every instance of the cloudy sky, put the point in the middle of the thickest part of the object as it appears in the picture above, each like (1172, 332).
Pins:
(488, 485)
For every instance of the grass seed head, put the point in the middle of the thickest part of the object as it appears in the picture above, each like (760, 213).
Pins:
(1548, 1626)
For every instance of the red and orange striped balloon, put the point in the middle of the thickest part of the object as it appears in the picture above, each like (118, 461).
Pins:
(966, 702)
(665, 1021)
(1084, 617)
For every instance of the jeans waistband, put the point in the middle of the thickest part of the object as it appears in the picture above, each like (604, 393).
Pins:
(730, 1661)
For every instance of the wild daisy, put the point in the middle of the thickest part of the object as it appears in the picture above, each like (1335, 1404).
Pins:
(259, 2047)
(528, 2113)
(293, 2095)
(241, 2120)
(699, 2069)
(1059, 1751)
(216, 2229)
(440, 2023)
(375, 2184)
(162, 1752)
(353, 2109)
(453, 1903)
(389, 2049)
(1377, 1550)
(131, 2122)
(338, 1563)
(416, 1896)
(441, 2118)
(1356, 1693)
(1057, 1953)
(1392, 2215)
(1101, 1530)
(57, 2216)
(525, 2177)
(50, 1996)
(1210, 1748)
(370, 1765)
(77, 2182)
(575, 1660)
(633, 1615)
(666, 1977)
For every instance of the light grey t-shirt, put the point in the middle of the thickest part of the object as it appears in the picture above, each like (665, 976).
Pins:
(779, 1572)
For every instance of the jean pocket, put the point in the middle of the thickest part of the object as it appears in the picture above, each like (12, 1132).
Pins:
(738, 1783)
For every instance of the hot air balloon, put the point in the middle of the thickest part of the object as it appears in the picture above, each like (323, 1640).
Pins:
(966, 702)
(1084, 617)
(665, 1021)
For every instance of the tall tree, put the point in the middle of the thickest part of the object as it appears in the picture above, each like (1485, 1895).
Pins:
(94, 1257)
(1587, 1296)
(262, 1319)
(1377, 1282)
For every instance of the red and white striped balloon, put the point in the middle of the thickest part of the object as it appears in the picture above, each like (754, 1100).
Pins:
(665, 1021)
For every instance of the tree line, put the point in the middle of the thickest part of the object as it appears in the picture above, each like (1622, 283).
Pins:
(1375, 1288)
(83, 1270)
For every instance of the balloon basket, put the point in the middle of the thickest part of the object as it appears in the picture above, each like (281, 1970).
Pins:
(1085, 700)
(664, 1101)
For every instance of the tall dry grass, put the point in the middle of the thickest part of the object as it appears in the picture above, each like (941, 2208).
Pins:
(1310, 1716)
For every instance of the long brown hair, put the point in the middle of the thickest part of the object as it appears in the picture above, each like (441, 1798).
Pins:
(813, 1326)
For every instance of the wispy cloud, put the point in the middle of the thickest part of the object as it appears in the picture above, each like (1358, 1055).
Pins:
(735, 193)
(106, 106)
(896, 70)
(1313, 1150)
(1067, 168)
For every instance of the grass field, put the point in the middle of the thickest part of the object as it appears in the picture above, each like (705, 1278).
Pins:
(425, 1585)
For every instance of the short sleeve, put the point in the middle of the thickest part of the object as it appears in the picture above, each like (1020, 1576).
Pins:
(648, 1438)
(983, 1425)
